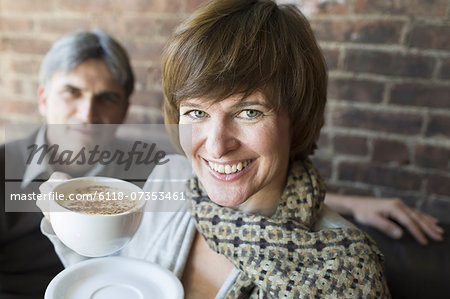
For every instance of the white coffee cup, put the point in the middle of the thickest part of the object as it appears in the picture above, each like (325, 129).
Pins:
(96, 234)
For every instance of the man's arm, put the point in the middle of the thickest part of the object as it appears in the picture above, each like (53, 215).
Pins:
(379, 213)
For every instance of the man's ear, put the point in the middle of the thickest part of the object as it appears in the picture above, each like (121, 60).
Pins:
(42, 101)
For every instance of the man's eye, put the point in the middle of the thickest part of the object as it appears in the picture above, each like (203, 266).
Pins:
(109, 99)
(196, 114)
(73, 92)
(250, 114)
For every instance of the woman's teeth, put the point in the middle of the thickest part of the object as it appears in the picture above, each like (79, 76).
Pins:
(228, 169)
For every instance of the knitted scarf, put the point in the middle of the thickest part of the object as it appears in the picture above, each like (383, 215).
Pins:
(280, 256)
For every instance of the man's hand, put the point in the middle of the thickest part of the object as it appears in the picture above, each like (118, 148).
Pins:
(55, 179)
(378, 213)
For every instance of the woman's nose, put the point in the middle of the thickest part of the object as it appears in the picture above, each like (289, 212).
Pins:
(221, 139)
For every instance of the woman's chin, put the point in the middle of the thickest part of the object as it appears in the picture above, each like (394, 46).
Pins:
(229, 200)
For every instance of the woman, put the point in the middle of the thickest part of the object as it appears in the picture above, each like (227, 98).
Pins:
(249, 80)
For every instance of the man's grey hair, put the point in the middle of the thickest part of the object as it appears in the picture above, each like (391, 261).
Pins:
(73, 49)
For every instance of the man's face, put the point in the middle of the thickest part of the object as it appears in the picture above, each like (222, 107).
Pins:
(88, 94)
(81, 100)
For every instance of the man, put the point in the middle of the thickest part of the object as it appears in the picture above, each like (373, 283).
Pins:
(85, 84)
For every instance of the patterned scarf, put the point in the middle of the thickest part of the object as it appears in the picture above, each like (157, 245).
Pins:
(280, 256)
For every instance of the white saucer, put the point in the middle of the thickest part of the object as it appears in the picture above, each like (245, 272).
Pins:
(115, 278)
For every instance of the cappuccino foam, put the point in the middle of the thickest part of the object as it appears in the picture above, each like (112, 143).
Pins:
(97, 199)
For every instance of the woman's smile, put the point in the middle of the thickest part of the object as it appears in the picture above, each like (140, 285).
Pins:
(229, 171)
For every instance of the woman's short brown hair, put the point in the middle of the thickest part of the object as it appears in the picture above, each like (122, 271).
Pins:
(233, 47)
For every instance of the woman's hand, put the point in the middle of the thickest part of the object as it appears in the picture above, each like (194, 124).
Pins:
(46, 187)
(378, 213)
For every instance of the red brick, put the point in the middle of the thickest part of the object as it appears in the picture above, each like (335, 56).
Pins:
(19, 107)
(392, 64)
(419, 94)
(355, 90)
(402, 123)
(380, 176)
(168, 26)
(429, 156)
(328, 113)
(23, 66)
(111, 24)
(439, 184)
(145, 50)
(375, 32)
(353, 190)
(89, 5)
(26, 5)
(148, 76)
(331, 58)
(140, 74)
(390, 151)
(430, 37)
(26, 45)
(323, 166)
(141, 26)
(21, 88)
(150, 27)
(437, 207)
(15, 24)
(331, 186)
(323, 142)
(192, 5)
(154, 76)
(444, 71)
(135, 117)
(320, 7)
(350, 145)
(147, 98)
(13, 86)
(152, 6)
(435, 8)
(439, 125)
(332, 7)
(63, 25)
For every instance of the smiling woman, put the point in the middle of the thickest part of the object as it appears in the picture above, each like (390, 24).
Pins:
(250, 80)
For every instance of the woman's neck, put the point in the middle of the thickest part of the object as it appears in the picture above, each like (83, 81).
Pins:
(262, 203)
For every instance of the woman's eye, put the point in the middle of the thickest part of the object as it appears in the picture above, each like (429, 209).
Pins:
(250, 114)
(196, 114)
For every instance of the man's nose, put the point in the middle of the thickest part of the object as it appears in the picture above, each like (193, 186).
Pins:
(221, 138)
(86, 110)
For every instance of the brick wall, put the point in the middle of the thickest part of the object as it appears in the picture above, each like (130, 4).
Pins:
(387, 127)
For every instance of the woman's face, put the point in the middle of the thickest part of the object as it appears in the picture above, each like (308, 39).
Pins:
(239, 150)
